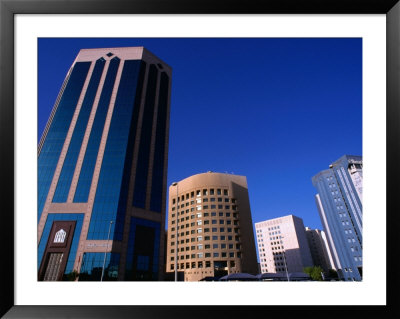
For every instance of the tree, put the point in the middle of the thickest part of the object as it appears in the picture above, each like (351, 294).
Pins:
(314, 272)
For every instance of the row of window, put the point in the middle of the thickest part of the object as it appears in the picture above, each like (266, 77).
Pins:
(213, 206)
(199, 264)
(199, 223)
(206, 192)
(207, 222)
(207, 230)
(208, 246)
(279, 264)
(206, 238)
(205, 214)
(208, 255)
(205, 200)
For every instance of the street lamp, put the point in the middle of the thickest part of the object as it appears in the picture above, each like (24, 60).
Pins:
(105, 252)
(176, 232)
(284, 258)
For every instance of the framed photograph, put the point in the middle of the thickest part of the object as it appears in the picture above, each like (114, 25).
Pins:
(362, 38)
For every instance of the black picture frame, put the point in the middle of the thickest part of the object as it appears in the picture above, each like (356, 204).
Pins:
(8, 10)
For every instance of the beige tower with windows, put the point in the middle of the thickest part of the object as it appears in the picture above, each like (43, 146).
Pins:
(210, 231)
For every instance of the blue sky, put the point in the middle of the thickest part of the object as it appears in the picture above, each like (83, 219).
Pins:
(275, 110)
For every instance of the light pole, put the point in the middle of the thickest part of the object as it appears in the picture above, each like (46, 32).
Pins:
(105, 252)
(284, 258)
(176, 232)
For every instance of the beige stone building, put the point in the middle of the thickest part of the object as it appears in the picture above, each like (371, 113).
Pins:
(210, 231)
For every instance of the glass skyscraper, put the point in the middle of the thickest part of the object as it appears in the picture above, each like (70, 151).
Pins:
(339, 202)
(102, 169)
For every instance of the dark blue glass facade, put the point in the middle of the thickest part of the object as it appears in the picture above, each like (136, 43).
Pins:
(74, 245)
(138, 123)
(51, 149)
(111, 194)
(159, 150)
(92, 267)
(89, 161)
(143, 250)
(142, 168)
(67, 172)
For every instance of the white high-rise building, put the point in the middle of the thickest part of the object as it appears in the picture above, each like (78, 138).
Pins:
(282, 245)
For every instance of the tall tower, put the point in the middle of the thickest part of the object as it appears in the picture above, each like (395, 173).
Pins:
(102, 169)
(210, 231)
(282, 245)
(339, 202)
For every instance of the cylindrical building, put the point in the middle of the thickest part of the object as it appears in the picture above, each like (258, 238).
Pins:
(210, 232)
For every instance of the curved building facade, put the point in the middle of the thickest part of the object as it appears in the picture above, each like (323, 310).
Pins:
(210, 231)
